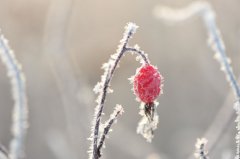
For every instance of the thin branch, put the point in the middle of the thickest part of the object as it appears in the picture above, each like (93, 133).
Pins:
(205, 11)
(113, 117)
(20, 110)
(103, 87)
(201, 152)
(137, 50)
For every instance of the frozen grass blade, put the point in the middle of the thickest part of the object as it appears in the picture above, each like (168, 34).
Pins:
(20, 110)
(204, 10)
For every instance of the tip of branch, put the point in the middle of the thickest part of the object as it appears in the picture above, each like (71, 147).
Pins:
(119, 109)
(131, 27)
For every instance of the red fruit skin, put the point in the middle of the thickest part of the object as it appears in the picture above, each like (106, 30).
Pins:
(147, 83)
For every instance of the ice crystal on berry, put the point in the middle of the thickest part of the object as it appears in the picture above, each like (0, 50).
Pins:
(147, 83)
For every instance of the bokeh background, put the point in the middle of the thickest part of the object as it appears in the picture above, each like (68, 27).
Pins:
(62, 44)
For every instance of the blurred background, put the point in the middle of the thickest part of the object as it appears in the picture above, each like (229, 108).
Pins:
(62, 45)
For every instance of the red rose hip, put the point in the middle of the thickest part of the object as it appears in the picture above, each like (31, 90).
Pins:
(147, 83)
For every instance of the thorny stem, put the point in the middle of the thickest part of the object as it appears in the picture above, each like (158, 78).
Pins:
(121, 50)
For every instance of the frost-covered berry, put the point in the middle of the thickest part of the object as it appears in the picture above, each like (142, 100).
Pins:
(147, 83)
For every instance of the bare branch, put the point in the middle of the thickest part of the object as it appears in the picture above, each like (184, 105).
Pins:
(20, 110)
(113, 117)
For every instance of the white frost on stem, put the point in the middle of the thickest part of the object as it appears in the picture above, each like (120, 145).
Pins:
(102, 88)
(146, 127)
(20, 110)
(201, 152)
(237, 108)
(107, 126)
(204, 10)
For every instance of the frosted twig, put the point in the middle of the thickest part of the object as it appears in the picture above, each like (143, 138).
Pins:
(204, 10)
(20, 110)
(201, 152)
(140, 52)
(113, 117)
(102, 88)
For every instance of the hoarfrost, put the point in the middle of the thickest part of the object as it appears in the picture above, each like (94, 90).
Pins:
(201, 152)
(20, 110)
(146, 127)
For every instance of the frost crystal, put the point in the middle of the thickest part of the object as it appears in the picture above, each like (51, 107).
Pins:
(106, 128)
(102, 88)
(237, 137)
(97, 89)
(200, 146)
(146, 127)
(20, 110)
(139, 57)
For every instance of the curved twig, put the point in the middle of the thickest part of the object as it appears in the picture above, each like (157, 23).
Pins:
(103, 87)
